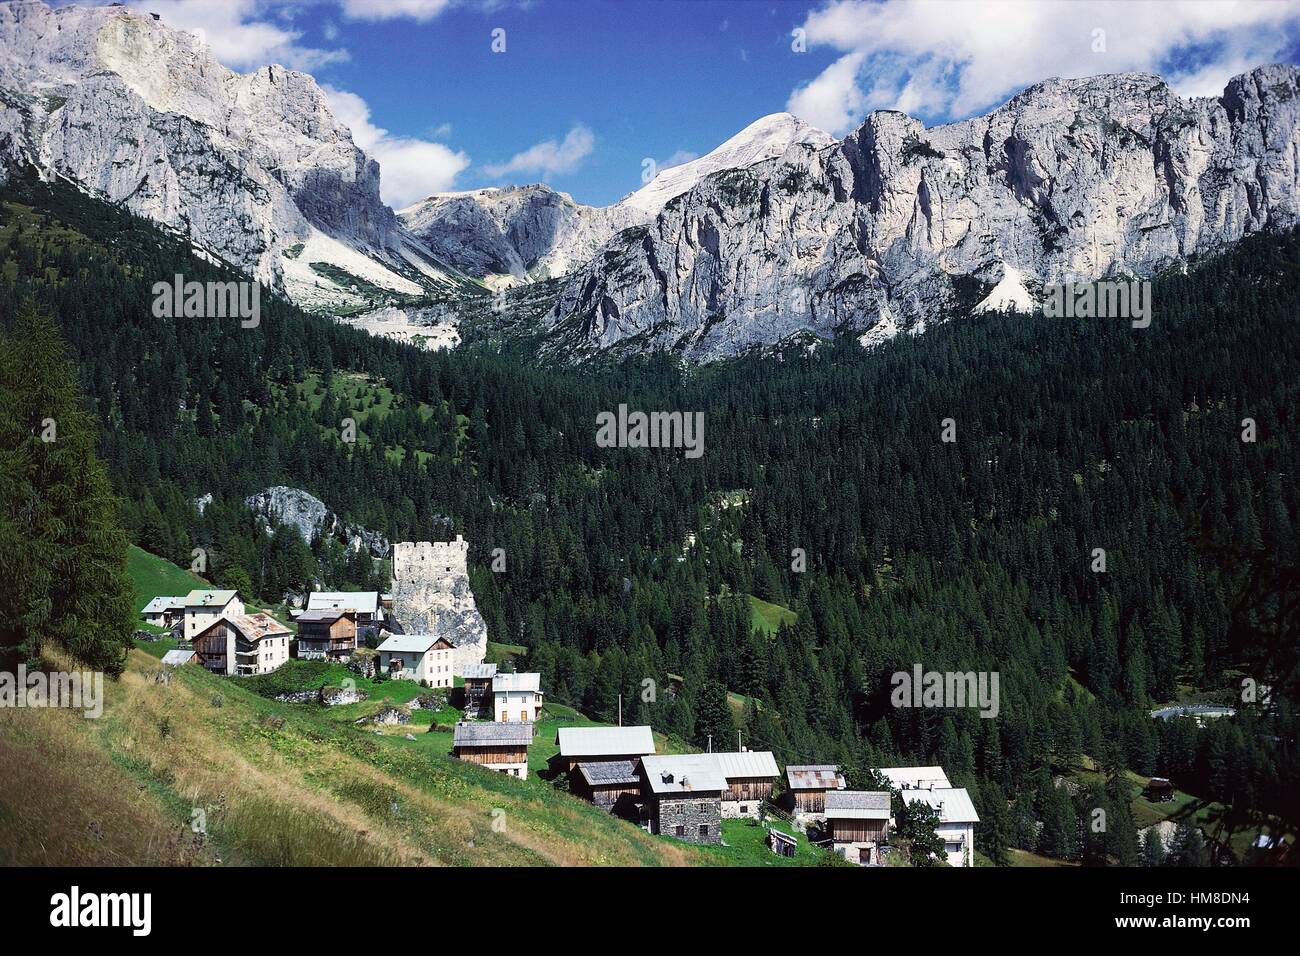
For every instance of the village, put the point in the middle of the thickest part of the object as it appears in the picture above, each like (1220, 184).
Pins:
(499, 712)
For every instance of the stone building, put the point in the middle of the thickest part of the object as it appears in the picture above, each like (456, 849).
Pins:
(431, 595)
(683, 796)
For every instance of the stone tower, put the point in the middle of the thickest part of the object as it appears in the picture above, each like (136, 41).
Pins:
(431, 595)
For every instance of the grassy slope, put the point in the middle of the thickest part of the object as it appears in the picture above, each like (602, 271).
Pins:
(279, 784)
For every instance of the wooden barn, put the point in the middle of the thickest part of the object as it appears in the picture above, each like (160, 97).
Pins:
(613, 785)
(502, 747)
(329, 635)
(857, 822)
(600, 745)
(750, 775)
(478, 687)
(808, 784)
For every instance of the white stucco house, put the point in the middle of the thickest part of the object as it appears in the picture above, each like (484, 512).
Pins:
(517, 697)
(203, 608)
(418, 657)
(957, 819)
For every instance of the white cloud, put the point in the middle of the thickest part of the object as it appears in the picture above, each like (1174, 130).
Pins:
(950, 60)
(678, 158)
(238, 35)
(410, 169)
(549, 157)
(418, 10)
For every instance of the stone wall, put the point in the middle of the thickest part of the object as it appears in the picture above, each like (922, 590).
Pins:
(690, 812)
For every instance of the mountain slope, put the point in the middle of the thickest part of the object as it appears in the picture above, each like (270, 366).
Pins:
(252, 168)
(519, 233)
(1070, 180)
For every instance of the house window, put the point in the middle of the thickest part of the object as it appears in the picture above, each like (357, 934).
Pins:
(744, 808)
(681, 831)
(704, 829)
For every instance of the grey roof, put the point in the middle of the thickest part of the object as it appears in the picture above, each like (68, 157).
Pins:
(857, 804)
(478, 671)
(312, 617)
(915, 778)
(953, 805)
(605, 741)
(525, 682)
(365, 602)
(682, 773)
(487, 733)
(209, 598)
(606, 772)
(747, 764)
(164, 603)
(176, 658)
(409, 643)
(814, 776)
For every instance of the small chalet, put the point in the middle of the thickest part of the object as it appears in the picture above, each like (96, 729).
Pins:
(749, 775)
(418, 657)
(245, 644)
(478, 686)
(613, 785)
(601, 744)
(683, 795)
(857, 822)
(517, 697)
(205, 608)
(164, 611)
(367, 605)
(782, 844)
(327, 635)
(1159, 789)
(808, 785)
(178, 658)
(496, 746)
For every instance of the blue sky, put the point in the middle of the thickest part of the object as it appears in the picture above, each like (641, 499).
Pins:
(587, 90)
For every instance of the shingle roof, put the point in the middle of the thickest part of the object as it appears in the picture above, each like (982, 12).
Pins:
(492, 734)
(605, 741)
(814, 776)
(257, 626)
(524, 682)
(409, 643)
(857, 804)
(364, 602)
(479, 671)
(746, 764)
(952, 805)
(682, 773)
(607, 772)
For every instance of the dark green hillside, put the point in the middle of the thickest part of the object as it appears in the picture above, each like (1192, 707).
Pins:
(1072, 435)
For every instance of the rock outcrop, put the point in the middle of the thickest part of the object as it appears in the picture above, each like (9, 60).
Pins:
(283, 505)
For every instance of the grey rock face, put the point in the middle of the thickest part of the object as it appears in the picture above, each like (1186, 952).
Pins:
(309, 515)
(249, 167)
(1070, 180)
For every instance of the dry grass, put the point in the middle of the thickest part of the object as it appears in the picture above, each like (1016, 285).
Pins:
(275, 785)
